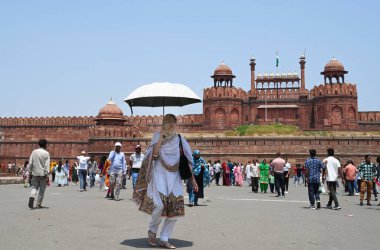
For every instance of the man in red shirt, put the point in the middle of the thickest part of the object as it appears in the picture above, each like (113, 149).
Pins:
(350, 174)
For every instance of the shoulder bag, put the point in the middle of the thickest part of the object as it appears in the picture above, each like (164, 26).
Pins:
(184, 169)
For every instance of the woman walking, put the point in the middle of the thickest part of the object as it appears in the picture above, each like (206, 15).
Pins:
(102, 175)
(159, 189)
(202, 177)
(238, 175)
(226, 175)
(264, 176)
(60, 175)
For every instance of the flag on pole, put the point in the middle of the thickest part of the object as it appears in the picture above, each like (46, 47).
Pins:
(277, 60)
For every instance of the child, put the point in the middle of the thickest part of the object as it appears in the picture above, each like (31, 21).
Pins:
(25, 174)
(271, 183)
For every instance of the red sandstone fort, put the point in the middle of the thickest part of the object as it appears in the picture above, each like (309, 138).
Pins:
(273, 98)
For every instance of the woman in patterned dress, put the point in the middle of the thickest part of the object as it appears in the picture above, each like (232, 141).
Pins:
(159, 189)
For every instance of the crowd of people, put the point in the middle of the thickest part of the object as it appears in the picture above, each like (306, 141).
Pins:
(158, 183)
(315, 174)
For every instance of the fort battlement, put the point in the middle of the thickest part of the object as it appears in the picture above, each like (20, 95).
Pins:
(348, 89)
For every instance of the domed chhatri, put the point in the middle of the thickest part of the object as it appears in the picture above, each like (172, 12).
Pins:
(334, 65)
(110, 114)
(223, 76)
(223, 69)
(334, 72)
(110, 109)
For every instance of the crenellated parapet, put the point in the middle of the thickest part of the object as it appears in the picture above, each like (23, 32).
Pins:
(370, 116)
(348, 89)
(222, 92)
(47, 121)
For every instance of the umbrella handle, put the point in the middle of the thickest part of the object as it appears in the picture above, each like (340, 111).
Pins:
(131, 109)
(163, 108)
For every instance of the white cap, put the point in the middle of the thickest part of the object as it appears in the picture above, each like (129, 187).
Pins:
(117, 144)
(83, 152)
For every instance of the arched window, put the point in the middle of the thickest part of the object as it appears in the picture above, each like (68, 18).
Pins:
(321, 113)
(351, 113)
(337, 113)
(234, 115)
(220, 114)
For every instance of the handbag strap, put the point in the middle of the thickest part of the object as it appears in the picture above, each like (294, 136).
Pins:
(180, 145)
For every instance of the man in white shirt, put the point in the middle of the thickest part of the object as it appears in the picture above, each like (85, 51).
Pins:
(255, 176)
(135, 161)
(248, 173)
(332, 166)
(82, 170)
(287, 169)
(217, 169)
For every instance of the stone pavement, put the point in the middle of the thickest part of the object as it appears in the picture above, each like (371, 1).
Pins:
(229, 218)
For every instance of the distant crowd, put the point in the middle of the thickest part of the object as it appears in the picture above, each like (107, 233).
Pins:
(261, 175)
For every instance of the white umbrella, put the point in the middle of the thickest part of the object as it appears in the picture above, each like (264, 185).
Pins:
(161, 94)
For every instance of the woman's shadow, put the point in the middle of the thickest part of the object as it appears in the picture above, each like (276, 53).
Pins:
(143, 243)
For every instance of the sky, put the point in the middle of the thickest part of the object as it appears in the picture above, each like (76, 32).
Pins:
(68, 58)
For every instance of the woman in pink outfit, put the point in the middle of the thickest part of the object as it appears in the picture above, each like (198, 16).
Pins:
(238, 175)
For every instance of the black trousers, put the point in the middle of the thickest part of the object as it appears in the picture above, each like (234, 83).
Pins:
(255, 184)
(332, 196)
(279, 181)
(286, 182)
(271, 185)
(217, 177)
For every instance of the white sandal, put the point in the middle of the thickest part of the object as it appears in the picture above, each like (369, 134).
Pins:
(167, 245)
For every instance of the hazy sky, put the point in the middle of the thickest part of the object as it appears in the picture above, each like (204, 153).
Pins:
(67, 58)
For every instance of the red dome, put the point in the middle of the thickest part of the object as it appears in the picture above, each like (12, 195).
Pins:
(111, 109)
(334, 65)
(223, 69)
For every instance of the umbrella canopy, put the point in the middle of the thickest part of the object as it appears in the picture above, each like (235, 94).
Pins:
(161, 94)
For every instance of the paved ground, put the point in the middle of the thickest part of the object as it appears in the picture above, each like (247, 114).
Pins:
(229, 218)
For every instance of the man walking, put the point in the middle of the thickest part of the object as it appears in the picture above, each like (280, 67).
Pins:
(92, 169)
(255, 177)
(117, 170)
(217, 169)
(231, 166)
(332, 166)
(367, 171)
(314, 168)
(278, 165)
(82, 170)
(287, 169)
(247, 172)
(39, 164)
(135, 161)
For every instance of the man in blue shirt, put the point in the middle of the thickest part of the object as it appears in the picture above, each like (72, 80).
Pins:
(230, 165)
(313, 167)
(117, 170)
